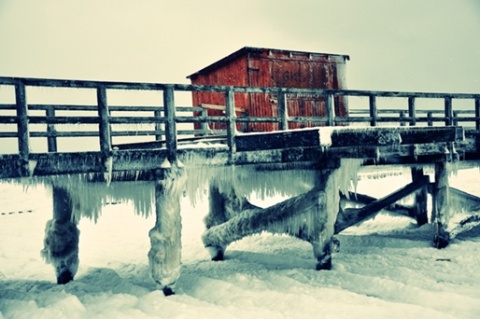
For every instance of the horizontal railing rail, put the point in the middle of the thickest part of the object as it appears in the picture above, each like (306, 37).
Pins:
(165, 121)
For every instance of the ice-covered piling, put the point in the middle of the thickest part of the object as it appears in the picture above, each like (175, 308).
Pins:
(165, 237)
(61, 238)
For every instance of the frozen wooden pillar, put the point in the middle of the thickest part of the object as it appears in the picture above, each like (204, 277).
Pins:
(61, 237)
(222, 207)
(420, 207)
(440, 205)
(324, 217)
(165, 237)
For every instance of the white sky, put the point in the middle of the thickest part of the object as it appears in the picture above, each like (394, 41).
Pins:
(427, 45)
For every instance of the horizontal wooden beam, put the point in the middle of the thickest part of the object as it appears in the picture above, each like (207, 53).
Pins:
(353, 216)
(236, 89)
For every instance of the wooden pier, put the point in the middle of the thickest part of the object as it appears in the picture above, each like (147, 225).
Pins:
(166, 145)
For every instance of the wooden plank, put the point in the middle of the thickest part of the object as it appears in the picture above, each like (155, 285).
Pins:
(278, 140)
(197, 88)
(395, 136)
(220, 107)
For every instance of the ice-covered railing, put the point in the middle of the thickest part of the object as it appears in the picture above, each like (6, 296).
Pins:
(108, 113)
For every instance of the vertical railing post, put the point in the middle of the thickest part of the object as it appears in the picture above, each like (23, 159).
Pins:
(282, 109)
(412, 111)
(158, 126)
(22, 124)
(104, 125)
(330, 110)
(170, 124)
(231, 124)
(448, 111)
(204, 124)
(455, 118)
(402, 117)
(477, 114)
(51, 131)
(373, 110)
(430, 118)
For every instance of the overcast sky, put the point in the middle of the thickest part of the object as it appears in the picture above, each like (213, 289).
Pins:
(415, 45)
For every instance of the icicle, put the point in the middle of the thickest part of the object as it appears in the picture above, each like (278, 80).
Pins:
(109, 167)
(32, 164)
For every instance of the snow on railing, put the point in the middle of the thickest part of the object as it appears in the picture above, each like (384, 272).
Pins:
(164, 121)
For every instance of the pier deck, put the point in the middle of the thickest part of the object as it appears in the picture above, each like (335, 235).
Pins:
(108, 142)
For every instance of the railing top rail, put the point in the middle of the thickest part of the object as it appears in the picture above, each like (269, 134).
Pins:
(237, 89)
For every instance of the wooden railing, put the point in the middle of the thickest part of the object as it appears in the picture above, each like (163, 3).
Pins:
(166, 121)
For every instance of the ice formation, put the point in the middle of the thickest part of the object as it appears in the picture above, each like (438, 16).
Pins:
(61, 248)
(165, 237)
(310, 215)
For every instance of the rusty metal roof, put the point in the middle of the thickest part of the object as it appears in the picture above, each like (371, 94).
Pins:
(246, 50)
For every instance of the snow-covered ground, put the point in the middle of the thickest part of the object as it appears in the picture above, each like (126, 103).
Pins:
(386, 268)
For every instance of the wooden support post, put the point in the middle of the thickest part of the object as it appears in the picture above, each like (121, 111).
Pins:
(52, 139)
(430, 118)
(448, 111)
(283, 109)
(420, 206)
(477, 114)
(440, 205)
(22, 127)
(330, 110)
(61, 237)
(412, 111)
(104, 125)
(158, 126)
(373, 110)
(204, 124)
(165, 237)
(455, 118)
(231, 120)
(402, 117)
(170, 125)
(324, 216)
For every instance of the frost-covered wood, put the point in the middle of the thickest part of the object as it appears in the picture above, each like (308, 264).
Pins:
(441, 207)
(290, 216)
(165, 237)
(420, 205)
(61, 238)
(309, 216)
(222, 207)
(352, 216)
(465, 225)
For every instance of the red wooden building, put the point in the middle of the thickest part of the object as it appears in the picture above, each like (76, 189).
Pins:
(261, 67)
